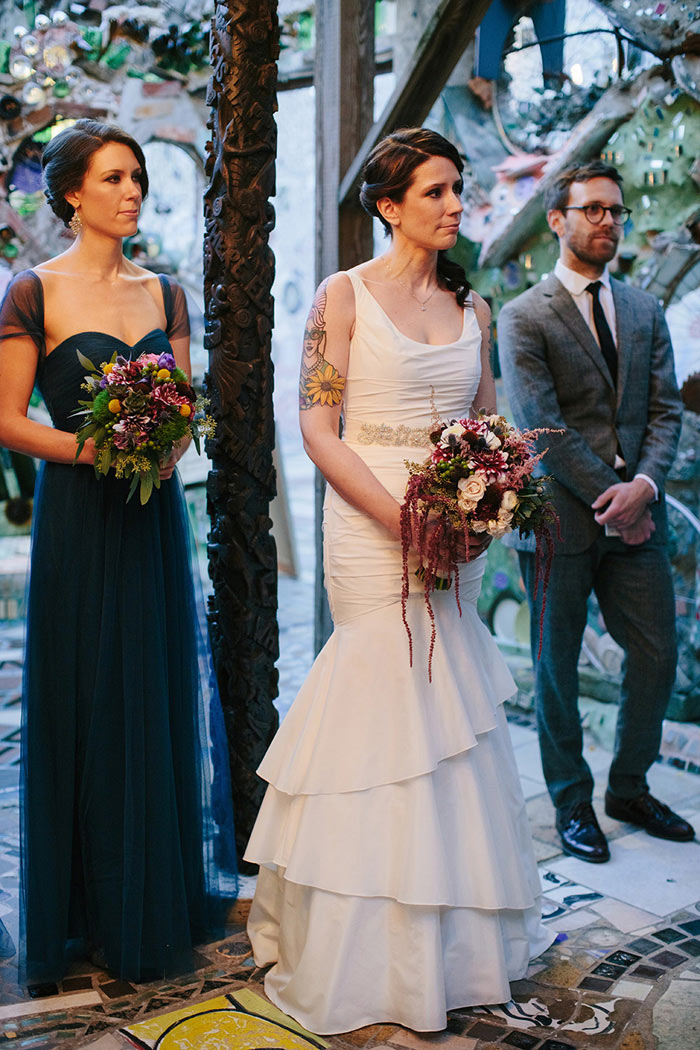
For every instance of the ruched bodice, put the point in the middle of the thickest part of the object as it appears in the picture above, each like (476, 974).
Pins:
(393, 827)
(393, 380)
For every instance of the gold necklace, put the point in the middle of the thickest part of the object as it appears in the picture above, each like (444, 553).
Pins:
(421, 302)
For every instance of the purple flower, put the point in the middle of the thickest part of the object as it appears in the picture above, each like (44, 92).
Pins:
(166, 361)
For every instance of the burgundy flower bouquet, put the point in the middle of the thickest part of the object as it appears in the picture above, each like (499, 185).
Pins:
(477, 481)
(136, 412)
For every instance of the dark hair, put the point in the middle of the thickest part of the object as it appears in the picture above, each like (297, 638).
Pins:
(66, 159)
(388, 172)
(556, 196)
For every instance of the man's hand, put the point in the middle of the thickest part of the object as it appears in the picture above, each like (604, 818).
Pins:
(640, 532)
(626, 502)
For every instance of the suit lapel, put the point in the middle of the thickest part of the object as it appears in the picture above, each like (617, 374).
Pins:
(624, 318)
(566, 309)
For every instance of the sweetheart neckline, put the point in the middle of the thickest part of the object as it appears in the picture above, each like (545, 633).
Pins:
(106, 335)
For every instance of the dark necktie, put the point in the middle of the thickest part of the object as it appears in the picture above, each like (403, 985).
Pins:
(605, 339)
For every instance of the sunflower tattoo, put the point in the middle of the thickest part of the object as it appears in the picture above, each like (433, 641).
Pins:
(319, 383)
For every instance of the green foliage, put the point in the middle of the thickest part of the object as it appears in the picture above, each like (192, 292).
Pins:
(172, 431)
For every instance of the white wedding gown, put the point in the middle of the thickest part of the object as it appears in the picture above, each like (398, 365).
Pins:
(397, 876)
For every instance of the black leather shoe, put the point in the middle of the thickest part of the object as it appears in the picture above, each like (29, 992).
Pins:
(647, 812)
(580, 833)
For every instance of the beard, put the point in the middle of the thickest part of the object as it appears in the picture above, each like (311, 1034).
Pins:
(593, 249)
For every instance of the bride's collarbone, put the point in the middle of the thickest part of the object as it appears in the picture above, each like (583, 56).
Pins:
(440, 322)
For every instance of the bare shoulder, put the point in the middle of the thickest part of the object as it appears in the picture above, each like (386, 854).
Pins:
(335, 299)
(481, 309)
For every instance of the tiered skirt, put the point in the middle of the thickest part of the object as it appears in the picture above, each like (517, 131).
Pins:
(397, 877)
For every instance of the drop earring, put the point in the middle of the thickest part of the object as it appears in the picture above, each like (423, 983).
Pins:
(75, 225)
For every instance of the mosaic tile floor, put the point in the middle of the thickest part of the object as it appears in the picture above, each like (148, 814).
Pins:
(623, 975)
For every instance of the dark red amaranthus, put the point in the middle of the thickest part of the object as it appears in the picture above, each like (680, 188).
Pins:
(477, 483)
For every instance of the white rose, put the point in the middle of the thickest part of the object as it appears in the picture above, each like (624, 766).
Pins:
(496, 528)
(467, 505)
(492, 440)
(455, 430)
(472, 488)
(510, 500)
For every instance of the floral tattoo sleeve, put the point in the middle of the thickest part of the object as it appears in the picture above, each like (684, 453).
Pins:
(319, 383)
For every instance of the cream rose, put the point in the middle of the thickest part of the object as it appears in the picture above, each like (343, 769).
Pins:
(496, 528)
(472, 488)
(509, 500)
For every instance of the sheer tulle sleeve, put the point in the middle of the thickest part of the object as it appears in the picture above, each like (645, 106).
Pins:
(176, 316)
(22, 310)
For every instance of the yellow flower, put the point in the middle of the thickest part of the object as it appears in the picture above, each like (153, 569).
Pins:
(163, 373)
(114, 405)
(325, 386)
(107, 368)
(185, 410)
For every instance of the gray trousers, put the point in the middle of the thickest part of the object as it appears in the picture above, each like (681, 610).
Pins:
(635, 592)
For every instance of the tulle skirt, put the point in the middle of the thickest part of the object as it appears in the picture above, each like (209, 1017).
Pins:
(120, 852)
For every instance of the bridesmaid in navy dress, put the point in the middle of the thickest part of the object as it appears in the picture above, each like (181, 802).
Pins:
(117, 844)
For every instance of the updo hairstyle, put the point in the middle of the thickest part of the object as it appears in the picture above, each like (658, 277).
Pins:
(389, 172)
(66, 159)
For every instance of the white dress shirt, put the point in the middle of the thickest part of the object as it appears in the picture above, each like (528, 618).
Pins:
(576, 285)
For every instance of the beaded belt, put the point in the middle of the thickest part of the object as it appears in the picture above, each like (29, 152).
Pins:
(382, 434)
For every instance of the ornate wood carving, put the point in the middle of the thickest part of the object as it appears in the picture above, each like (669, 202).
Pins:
(238, 273)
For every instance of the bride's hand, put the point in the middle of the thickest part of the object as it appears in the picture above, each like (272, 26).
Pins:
(477, 545)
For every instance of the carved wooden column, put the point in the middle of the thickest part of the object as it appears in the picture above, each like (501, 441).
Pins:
(238, 273)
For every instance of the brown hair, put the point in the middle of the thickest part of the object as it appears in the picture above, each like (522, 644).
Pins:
(66, 159)
(556, 196)
(389, 171)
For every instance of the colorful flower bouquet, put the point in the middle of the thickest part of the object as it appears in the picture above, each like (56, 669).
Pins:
(135, 413)
(477, 482)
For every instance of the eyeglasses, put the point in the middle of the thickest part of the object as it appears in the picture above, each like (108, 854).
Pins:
(595, 212)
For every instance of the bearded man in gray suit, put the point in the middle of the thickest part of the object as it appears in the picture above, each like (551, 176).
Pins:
(586, 353)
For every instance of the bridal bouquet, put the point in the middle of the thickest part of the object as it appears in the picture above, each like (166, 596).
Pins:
(135, 412)
(477, 481)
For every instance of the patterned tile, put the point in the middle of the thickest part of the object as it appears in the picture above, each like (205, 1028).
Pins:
(41, 991)
(692, 927)
(621, 958)
(691, 947)
(648, 971)
(608, 970)
(485, 1031)
(643, 945)
(76, 984)
(522, 1040)
(633, 989)
(117, 989)
(669, 959)
(595, 984)
(668, 935)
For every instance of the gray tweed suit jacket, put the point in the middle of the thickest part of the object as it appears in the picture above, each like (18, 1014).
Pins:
(555, 376)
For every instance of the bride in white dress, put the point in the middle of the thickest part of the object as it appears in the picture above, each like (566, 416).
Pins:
(397, 877)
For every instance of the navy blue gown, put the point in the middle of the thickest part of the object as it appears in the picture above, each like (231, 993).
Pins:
(117, 837)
